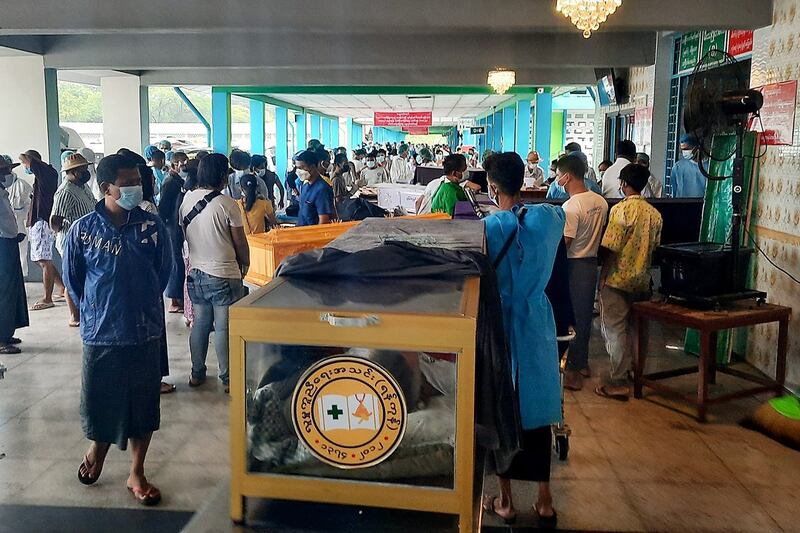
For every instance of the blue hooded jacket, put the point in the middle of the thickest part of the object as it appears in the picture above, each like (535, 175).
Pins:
(117, 275)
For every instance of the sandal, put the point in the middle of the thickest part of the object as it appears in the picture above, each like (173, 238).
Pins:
(490, 506)
(8, 349)
(41, 306)
(87, 465)
(147, 497)
(167, 388)
(546, 522)
(602, 391)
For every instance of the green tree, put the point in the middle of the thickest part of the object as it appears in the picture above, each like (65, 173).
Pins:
(78, 102)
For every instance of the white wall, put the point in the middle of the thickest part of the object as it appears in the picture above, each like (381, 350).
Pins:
(122, 114)
(22, 100)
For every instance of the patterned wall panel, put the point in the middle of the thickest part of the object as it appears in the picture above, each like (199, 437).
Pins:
(776, 58)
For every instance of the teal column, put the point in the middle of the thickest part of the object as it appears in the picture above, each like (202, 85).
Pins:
(315, 126)
(300, 139)
(281, 140)
(497, 131)
(220, 121)
(359, 133)
(257, 133)
(544, 124)
(144, 114)
(509, 128)
(51, 112)
(335, 132)
(523, 142)
(326, 132)
(351, 133)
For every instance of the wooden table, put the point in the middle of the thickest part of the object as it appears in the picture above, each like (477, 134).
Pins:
(709, 323)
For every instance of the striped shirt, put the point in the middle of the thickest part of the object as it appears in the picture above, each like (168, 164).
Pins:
(71, 202)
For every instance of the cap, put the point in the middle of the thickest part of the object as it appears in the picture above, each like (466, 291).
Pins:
(7, 163)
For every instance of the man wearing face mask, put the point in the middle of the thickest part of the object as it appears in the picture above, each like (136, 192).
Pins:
(116, 265)
(240, 162)
(626, 155)
(258, 167)
(42, 238)
(401, 171)
(534, 175)
(373, 174)
(450, 191)
(383, 161)
(316, 196)
(686, 178)
(168, 211)
(13, 300)
(73, 200)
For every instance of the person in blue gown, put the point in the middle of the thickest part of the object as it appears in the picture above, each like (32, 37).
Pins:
(686, 178)
(523, 242)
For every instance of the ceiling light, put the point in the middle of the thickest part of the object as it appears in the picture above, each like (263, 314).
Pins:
(587, 15)
(501, 80)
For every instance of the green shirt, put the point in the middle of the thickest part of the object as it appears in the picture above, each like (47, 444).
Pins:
(445, 199)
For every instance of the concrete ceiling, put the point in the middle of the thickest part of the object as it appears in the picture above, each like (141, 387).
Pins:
(351, 42)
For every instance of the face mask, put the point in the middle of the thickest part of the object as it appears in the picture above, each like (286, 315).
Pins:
(9, 179)
(84, 177)
(493, 196)
(261, 173)
(184, 174)
(381, 158)
(563, 180)
(28, 171)
(238, 174)
(419, 160)
(304, 175)
(687, 154)
(130, 197)
(371, 163)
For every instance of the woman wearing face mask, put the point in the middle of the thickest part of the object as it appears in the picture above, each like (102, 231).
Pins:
(524, 243)
(257, 213)
(116, 265)
(172, 191)
(13, 300)
(73, 200)
(258, 167)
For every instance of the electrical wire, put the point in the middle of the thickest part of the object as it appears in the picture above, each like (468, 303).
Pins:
(771, 262)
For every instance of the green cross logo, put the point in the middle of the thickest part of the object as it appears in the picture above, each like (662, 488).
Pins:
(335, 412)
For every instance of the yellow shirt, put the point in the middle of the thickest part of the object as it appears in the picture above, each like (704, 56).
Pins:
(633, 233)
(254, 221)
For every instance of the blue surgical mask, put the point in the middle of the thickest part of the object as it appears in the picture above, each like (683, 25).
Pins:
(28, 171)
(130, 197)
(687, 154)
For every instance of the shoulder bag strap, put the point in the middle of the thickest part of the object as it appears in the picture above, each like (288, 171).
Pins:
(198, 208)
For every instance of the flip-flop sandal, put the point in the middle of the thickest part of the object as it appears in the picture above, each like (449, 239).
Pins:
(169, 389)
(490, 507)
(59, 297)
(146, 497)
(601, 391)
(87, 480)
(546, 522)
(174, 311)
(41, 306)
(9, 350)
(14, 340)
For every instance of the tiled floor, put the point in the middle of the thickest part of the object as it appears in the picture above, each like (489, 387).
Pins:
(640, 466)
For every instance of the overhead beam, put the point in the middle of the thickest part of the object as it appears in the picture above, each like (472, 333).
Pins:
(305, 80)
(346, 50)
(226, 17)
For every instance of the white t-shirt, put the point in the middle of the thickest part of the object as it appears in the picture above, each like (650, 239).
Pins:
(373, 176)
(401, 171)
(611, 178)
(587, 213)
(427, 196)
(209, 234)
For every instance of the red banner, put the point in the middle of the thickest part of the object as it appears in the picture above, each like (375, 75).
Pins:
(404, 119)
(740, 42)
(777, 115)
(416, 131)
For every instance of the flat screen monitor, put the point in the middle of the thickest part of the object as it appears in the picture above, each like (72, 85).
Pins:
(606, 90)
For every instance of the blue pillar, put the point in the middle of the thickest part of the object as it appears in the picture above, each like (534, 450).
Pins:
(315, 127)
(300, 140)
(220, 121)
(358, 130)
(326, 132)
(335, 132)
(509, 128)
(350, 129)
(51, 112)
(497, 133)
(281, 140)
(257, 134)
(523, 143)
(544, 123)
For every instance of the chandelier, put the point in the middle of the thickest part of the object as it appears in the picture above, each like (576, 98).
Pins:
(587, 15)
(501, 80)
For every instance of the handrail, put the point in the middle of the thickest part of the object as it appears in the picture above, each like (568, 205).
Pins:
(195, 112)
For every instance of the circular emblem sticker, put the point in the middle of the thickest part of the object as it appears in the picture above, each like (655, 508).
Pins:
(350, 412)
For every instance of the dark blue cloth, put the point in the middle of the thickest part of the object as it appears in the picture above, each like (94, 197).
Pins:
(117, 276)
(315, 199)
(13, 300)
(178, 269)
